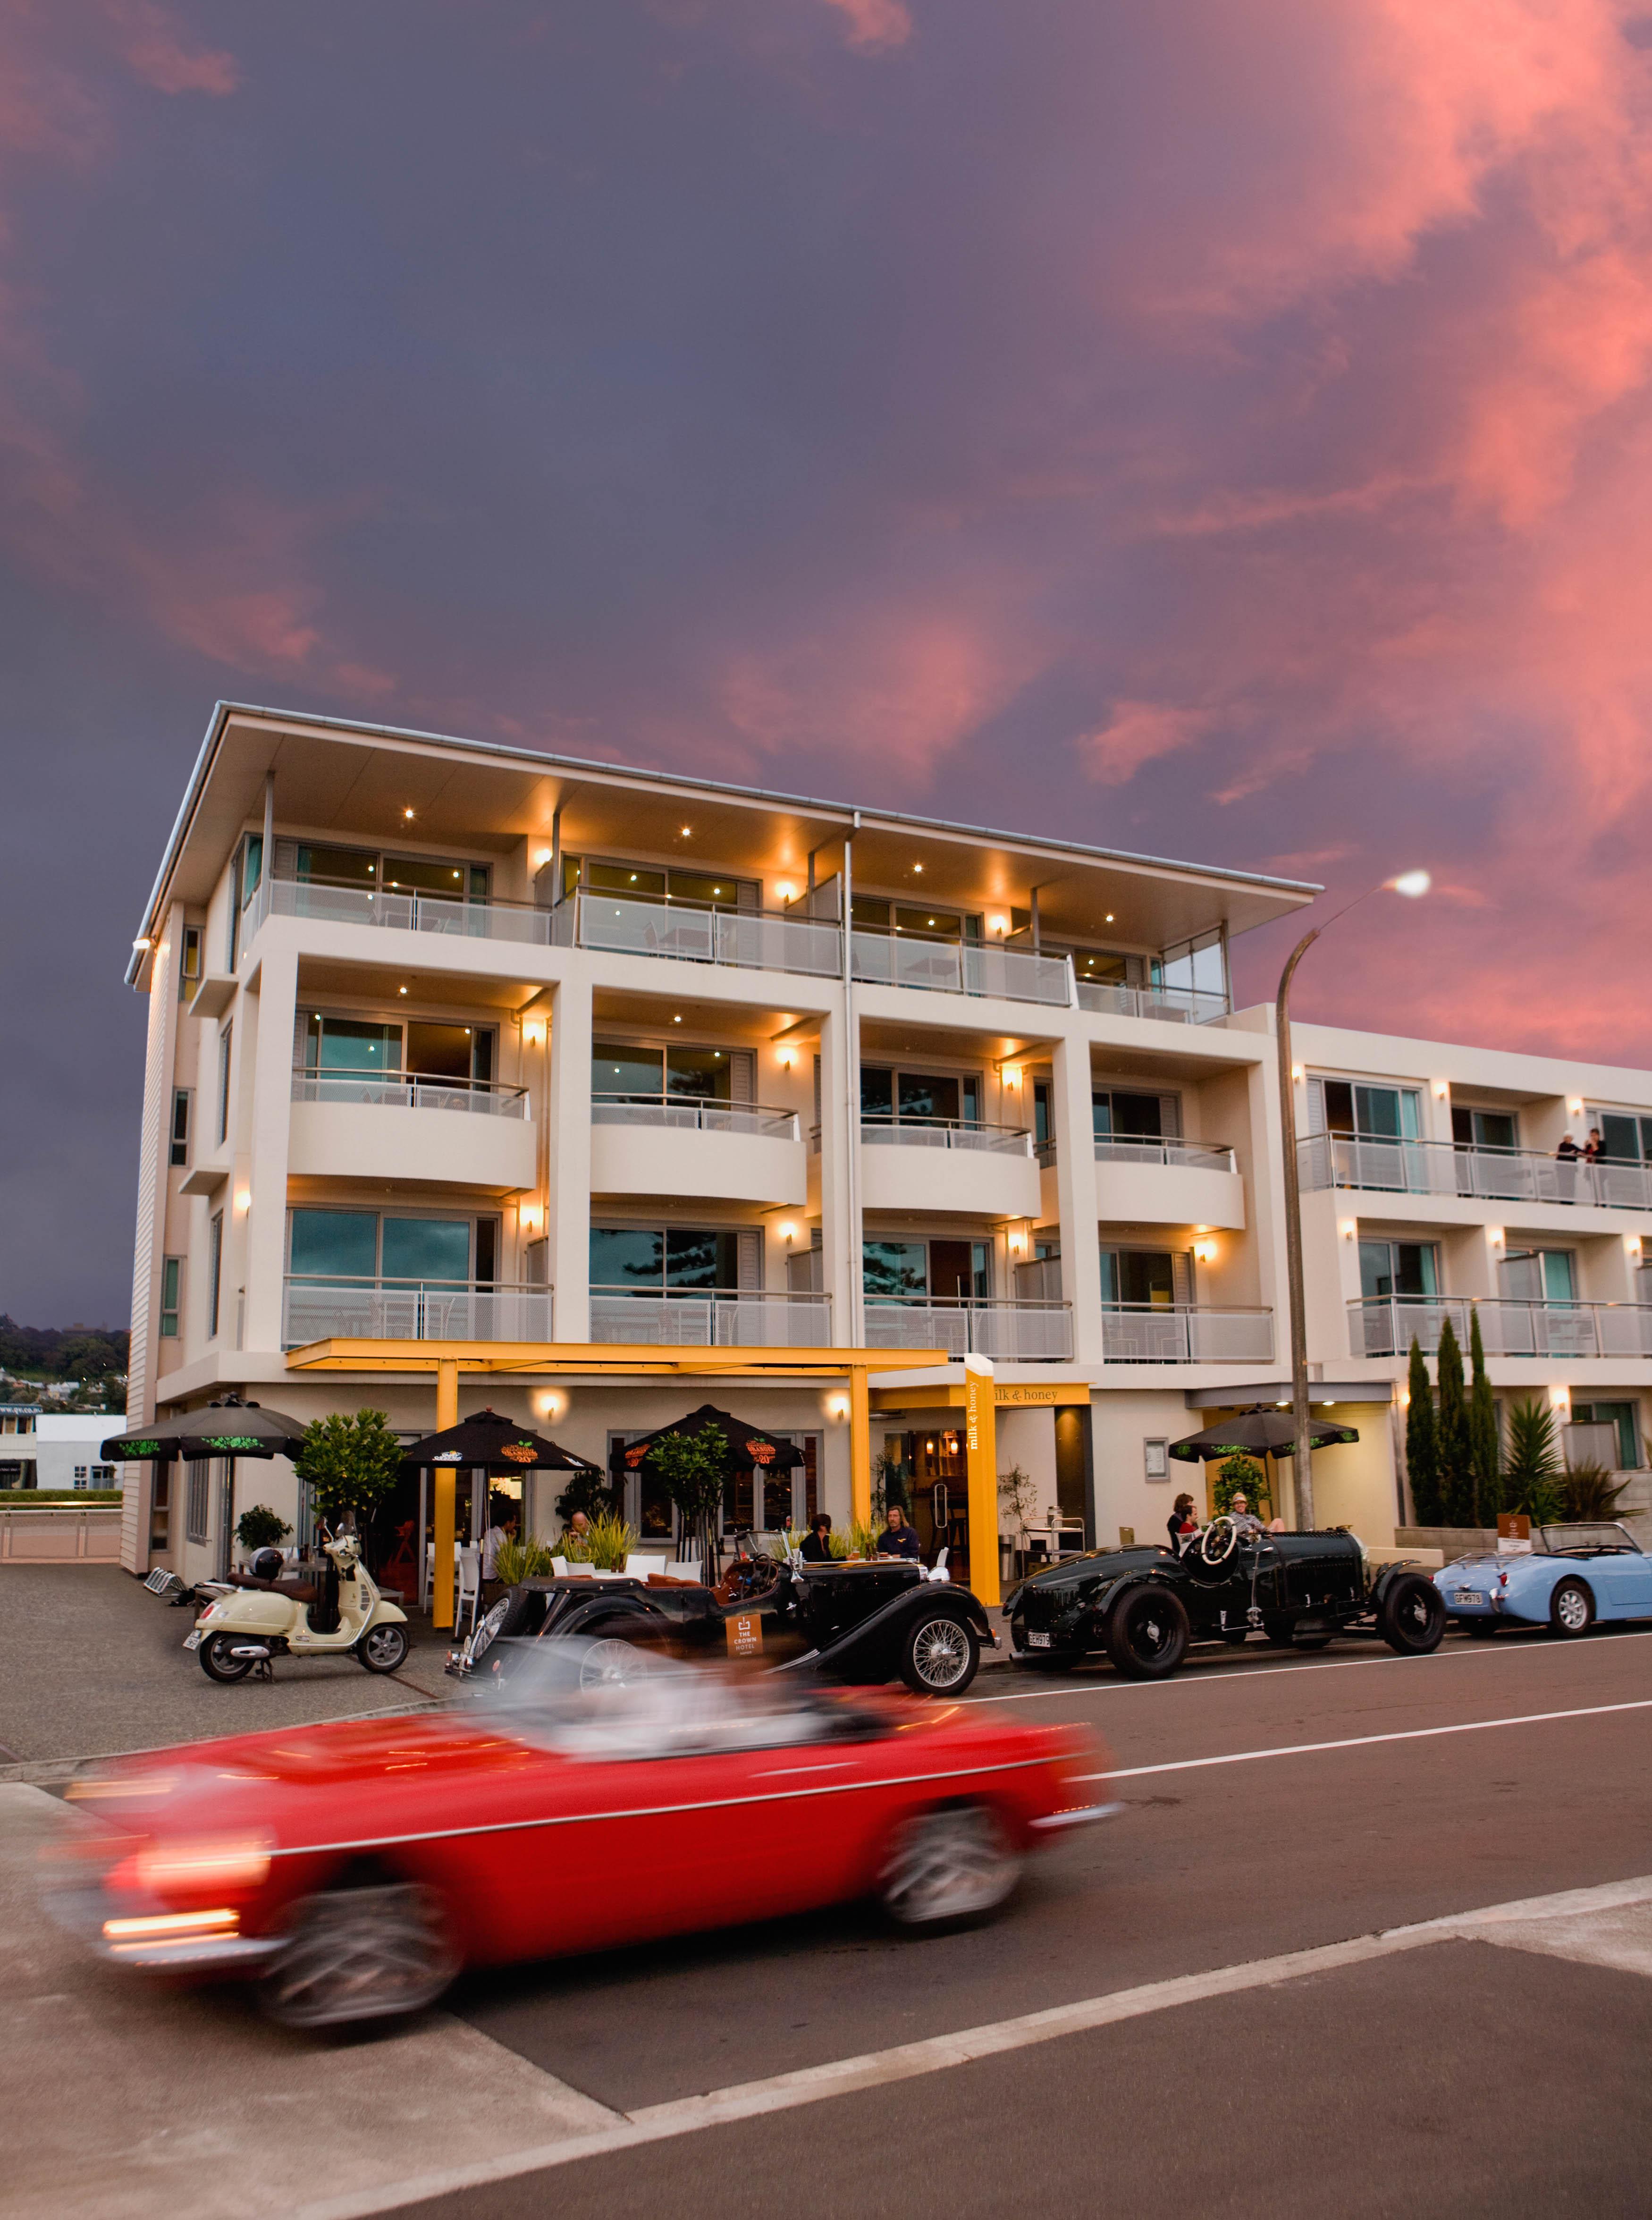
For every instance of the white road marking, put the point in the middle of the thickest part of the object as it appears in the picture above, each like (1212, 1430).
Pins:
(875, 2069)
(1112, 1684)
(1358, 1741)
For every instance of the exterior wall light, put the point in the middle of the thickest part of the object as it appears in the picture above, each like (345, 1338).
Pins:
(786, 891)
(541, 856)
(1559, 1399)
(837, 1407)
(788, 1233)
(1574, 1105)
(243, 1198)
(1350, 1226)
(1297, 1073)
(141, 941)
(533, 1032)
(1442, 1088)
(1494, 1235)
(1204, 1251)
(528, 1215)
(1632, 1244)
(552, 1406)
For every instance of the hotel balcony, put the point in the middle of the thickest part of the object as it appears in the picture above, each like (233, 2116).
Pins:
(756, 940)
(952, 967)
(1446, 1168)
(1176, 1006)
(1143, 1181)
(947, 1165)
(724, 1151)
(717, 1319)
(1385, 1326)
(1185, 1333)
(1008, 1333)
(405, 1126)
(321, 1309)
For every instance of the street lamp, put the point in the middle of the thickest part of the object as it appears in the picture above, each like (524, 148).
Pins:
(1411, 884)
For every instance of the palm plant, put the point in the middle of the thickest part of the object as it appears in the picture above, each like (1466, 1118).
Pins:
(1533, 1476)
(1590, 1493)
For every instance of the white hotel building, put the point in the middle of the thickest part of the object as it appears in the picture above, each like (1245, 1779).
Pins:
(571, 1076)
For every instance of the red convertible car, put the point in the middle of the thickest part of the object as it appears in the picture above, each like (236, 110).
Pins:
(354, 1869)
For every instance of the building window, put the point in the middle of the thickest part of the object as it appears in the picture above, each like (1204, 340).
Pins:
(368, 1047)
(180, 1152)
(361, 1245)
(624, 1071)
(1398, 1268)
(1538, 1275)
(661, 1259)
(871, 914)
(188, 963)
(647, 883)
(890, 1097)
(214, 1272)
(1623, 1417)
(1369, 1113)
(1483, 1129)
(367, 869)
(103, 1475)
(1624, 1137)
(940, 1272)
(223, 1083)
(172, 1273)
(1161, 1277)
(197, 1500)
(1117, 1114)
(1200, 964)
(16, 1472)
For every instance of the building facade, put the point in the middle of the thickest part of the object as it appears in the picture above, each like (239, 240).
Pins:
(666, 1091)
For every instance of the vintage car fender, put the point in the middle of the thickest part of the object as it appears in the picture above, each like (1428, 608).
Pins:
(871, 1651)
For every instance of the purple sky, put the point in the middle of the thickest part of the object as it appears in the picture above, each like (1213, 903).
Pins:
(1218, 431)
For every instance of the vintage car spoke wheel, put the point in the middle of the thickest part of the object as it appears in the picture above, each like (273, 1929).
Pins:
(953, 1864)
(508, 1617)
(939, 1654)
(383, 1649)
(218, 1662)
(611, 1663)
(1413, 1618)
(357, 1954)
(1147, 1633)
(1571, 1610)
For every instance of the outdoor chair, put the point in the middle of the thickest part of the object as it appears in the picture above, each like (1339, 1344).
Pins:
(470, 1585)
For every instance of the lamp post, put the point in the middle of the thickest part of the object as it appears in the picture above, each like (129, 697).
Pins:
(1411, 883)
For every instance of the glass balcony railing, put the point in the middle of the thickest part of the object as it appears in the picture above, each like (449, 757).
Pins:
(1185, 1333)
(971, 1136)
(714, 1318)
(749, 1117)
(411, 1090)
(950, 967)
(1402, 1167)
(1386, 1325)
(1176, 1006)
(315, 1308)
(757, 940)
(1142, 1148)
(1008, 1331)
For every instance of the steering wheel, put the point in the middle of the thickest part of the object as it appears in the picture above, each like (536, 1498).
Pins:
(1218, 1541)
(747, 1577)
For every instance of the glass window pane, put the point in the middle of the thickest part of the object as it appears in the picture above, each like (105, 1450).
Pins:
(349, 1045)
(1378, 1111)
(925, 1095)
(619, 1068)
(1101, 963)
(334, 1244)
(252, 866)
(444, 1051)
(1339, 1106)
(895, 1267)
(338, 867)
(1558, 1286)
(424, 874)
(928, 924)
(1208, 968)
(431, 1249)
(622, 879)
(704, 887)
(1102, 1115)
(701, 1258)
(1620, 1136)
(1146, 1275)
(876, 1091)
(1138, 1115)
(1109, 1276)
(1494, 1129)
(698, 1075)
(628, 1256)
(868, 911)
(1376, 1270)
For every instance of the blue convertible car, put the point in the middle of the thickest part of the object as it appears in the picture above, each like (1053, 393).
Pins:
(1574, 1576)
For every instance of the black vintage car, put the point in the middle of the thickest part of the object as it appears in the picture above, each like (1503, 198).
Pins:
(1142, 1607)
(862, 1623)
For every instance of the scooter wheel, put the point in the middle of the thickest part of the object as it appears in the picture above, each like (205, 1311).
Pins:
(381, 1649)
(217, 1661)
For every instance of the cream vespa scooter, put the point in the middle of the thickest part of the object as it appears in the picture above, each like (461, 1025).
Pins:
(320, 1616)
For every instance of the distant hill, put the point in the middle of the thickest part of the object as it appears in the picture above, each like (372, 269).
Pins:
(69, 1352)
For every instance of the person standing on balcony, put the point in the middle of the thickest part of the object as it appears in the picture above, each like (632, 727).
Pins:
(1594, 1148)
(1568, 1151)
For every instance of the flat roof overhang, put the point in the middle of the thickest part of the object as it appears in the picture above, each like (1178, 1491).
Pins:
(354, 781)
(1278, 1392)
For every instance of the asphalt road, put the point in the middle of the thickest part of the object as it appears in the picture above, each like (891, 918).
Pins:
(1500, 2069)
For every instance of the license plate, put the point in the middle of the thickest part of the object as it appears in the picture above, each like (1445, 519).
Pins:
(1466, 1595)
(1038, 1642)
(193, 1641)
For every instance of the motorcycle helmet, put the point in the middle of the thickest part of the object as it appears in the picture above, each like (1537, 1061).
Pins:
(267, 1564)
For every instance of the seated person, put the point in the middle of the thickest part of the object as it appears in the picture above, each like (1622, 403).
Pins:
(1243, 1517)
(897, 1539)
(817, 1542)
(1183, 1523)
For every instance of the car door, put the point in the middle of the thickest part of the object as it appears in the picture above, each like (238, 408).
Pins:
(1622, 1581)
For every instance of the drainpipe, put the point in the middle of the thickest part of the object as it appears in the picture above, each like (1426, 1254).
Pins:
(852, 1082)
(267, 862)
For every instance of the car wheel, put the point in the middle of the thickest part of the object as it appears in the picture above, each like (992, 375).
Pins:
(383, 1649)
(1571, 1610)
(1147, 1633)
(217, 1661)
(947, 1866)
(939, 1654)
(1412, 1617)
(610, 1663)
(359, 1954)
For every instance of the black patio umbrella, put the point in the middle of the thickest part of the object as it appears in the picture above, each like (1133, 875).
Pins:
(489, 1438)
(227, 1428)
(1257, 1433)
(751, 1448)
(155, 1445)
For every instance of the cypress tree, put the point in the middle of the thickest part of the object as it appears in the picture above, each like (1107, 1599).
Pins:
(1482, 1432)
(1456, 1473)
(1422, 1445)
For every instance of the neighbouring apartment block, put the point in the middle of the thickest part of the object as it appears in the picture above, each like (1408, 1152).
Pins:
(466, 1047)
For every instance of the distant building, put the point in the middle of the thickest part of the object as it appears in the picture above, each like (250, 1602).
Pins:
(54, 1449)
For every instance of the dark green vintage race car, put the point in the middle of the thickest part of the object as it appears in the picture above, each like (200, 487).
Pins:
(1142, 1607)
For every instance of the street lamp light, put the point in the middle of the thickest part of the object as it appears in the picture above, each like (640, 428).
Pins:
(1411, 884)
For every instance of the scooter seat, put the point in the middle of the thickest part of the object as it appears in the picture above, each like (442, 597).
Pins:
(298, 1591)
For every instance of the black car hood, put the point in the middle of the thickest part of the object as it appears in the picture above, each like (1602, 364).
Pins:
(1094, 1565)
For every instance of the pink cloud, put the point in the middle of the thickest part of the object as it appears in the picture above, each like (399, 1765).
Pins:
(1139, 732)
(152, 44)
(874, 26)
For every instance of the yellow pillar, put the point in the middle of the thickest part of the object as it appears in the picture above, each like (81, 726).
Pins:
(980, 1445)
(441, 1585)
(860, 1447)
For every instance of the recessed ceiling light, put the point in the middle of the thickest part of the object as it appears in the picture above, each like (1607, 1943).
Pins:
(401, 990)
(917, 867)
(407, 813)
(687, 830)
(1109, 917)
(676, 1021)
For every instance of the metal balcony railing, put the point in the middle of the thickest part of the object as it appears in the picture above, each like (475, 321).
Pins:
(1386, 1325)
(969, 1135)
(1185, 1333)
(411, 1090)
(951, 967)
(758, 940)
(317, 1308)
(714, 1318)
(1397, 1167)
(1176, 1006)
(1188, 1155)
(694, 1117)
(1008, 1331)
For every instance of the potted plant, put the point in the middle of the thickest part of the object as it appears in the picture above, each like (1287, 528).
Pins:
(260, 1528)
(350, 1466)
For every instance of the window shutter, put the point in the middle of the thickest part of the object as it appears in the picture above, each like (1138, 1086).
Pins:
(751, 1260)
(1316, 1106)
(741, 1064)
(1182, 1275)
(1170, 1117)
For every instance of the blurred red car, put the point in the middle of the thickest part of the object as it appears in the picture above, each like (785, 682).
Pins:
(354, 1869)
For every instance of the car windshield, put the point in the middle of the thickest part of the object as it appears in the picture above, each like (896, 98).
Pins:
(1568, 1540)
(551, 1698)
